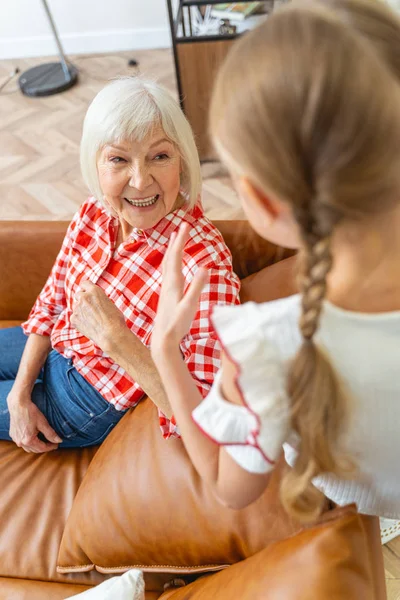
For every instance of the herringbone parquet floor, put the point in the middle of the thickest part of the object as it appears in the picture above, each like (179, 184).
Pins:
(39, 140)
(39, 162)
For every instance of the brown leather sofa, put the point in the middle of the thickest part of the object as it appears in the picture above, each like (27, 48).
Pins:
(71, 518)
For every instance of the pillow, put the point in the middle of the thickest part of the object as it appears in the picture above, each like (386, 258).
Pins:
(129, 586)
(142, 505)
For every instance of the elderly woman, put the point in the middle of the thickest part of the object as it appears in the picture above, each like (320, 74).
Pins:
(82, 358)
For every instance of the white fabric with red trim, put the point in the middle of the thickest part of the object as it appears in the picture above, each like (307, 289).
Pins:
(253, 433)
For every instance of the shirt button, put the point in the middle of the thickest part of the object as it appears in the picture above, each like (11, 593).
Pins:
(139, 231)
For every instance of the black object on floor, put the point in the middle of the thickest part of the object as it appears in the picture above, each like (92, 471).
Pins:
(48, 79)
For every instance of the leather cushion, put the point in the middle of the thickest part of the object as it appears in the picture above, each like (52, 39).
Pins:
(327, 562)
(24, 589)
(5, 324)
(142, 505)
(36, 495)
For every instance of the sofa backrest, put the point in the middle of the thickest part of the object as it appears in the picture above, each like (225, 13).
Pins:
(27, 253)
(28, 250)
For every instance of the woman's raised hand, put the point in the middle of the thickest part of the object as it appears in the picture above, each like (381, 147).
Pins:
(176, 310)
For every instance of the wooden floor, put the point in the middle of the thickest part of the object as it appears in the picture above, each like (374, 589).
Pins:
(39, 140)
(39, 165)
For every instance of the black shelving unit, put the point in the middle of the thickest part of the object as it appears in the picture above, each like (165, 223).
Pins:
(197, 58)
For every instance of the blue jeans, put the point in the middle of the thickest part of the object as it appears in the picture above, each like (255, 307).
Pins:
(74, 408)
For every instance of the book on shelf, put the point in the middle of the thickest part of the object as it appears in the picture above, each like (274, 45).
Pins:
(235, 11)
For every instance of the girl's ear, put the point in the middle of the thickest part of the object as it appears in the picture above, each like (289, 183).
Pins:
(259, 201)
(269, 217)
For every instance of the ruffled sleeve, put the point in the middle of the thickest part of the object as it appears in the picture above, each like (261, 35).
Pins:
(252, 433)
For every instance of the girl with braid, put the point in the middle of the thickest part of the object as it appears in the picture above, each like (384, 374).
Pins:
(305, 114)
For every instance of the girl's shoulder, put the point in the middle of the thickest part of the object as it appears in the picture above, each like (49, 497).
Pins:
(274, 323)
(266, 314)
(257, 339)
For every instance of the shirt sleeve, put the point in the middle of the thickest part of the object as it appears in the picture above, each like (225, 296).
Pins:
(169, 428)
(253, 433)
(201, 348)
(52, 300)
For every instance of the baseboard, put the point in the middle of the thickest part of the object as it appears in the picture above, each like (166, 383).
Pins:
(87, 43)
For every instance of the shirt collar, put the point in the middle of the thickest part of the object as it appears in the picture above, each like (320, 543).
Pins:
(160, 234)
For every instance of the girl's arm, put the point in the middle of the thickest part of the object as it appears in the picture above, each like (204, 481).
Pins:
(233, 485)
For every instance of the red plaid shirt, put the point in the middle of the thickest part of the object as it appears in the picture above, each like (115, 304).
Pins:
(130, 275)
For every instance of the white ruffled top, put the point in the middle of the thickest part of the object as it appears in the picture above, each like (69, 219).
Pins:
(365, 352)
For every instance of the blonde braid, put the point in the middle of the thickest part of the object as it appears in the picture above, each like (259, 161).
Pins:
(318, 263)
(319, 410)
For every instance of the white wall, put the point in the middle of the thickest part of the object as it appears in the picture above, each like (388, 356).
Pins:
(84, 26)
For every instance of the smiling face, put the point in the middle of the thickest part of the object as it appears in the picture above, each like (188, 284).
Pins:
(141, 180)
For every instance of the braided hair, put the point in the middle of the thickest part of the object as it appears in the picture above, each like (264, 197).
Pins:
(312, 384)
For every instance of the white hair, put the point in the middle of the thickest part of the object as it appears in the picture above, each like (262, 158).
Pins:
(130, 108)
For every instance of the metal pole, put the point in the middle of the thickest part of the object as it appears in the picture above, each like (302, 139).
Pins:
(60, 49)
(174, 27)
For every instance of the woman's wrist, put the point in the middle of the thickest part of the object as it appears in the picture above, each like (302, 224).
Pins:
(20, 393)
(113, 338)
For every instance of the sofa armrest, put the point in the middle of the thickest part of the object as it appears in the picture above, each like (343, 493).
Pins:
(331, 561)
(27, 253)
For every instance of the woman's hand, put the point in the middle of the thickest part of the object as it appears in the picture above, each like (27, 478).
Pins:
(27, 421)
(96, 316)
(176, 310)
